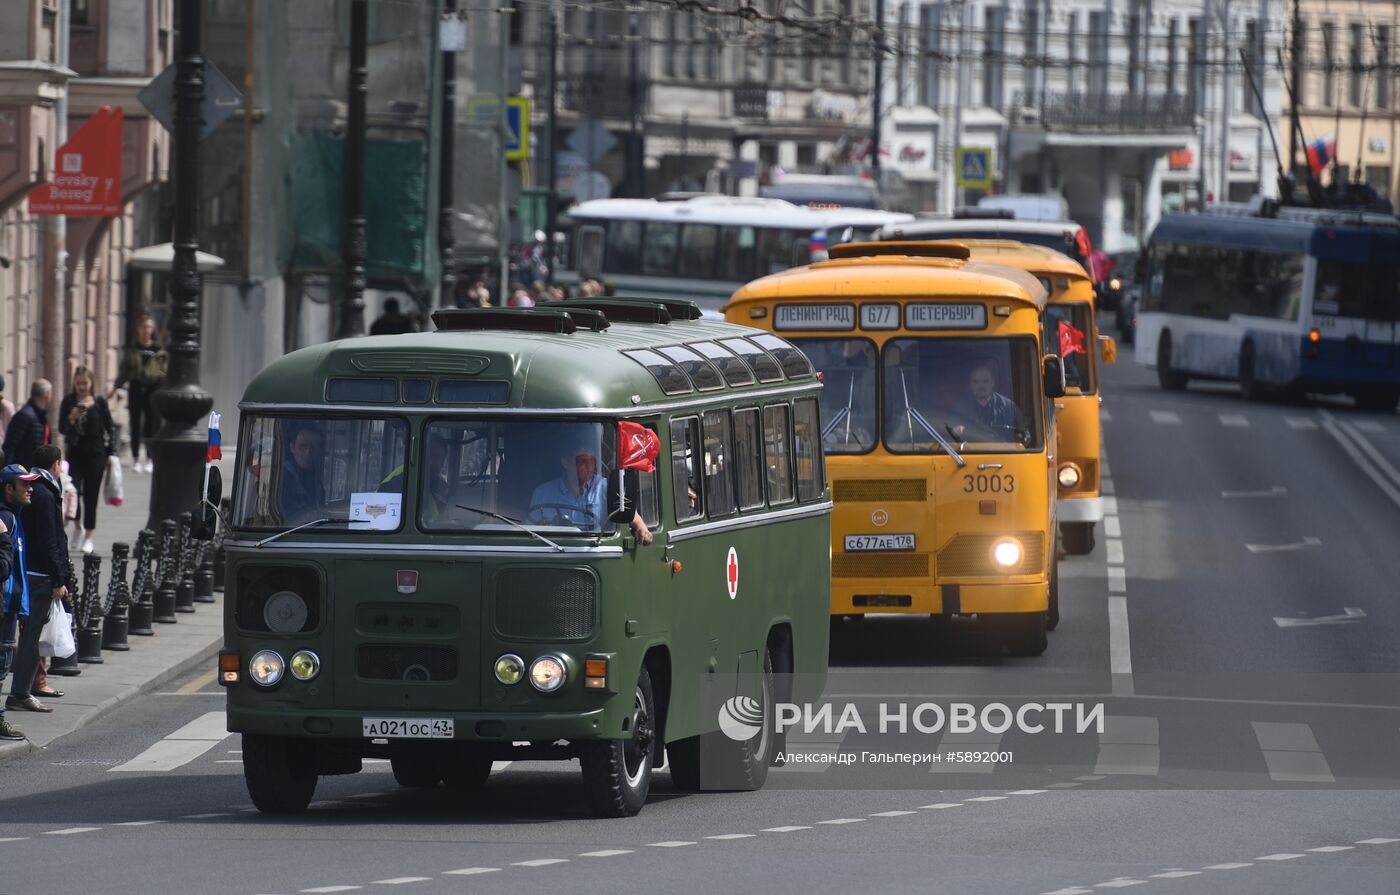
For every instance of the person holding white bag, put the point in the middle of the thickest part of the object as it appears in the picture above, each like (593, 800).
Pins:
(47, 568)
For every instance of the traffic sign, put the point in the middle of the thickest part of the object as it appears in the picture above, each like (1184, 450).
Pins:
(482, 110)
(975, 167)
(221, 99)
(87, 171)
(591, 140)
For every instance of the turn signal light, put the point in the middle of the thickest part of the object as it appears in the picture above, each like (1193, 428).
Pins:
(1314, 336)
(595, 674)
(676, 567)
(229, 667)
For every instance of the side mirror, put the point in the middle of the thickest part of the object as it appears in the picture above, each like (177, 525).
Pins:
(208, 517)
(624, 493)
(1108, 350)
(1053, 371)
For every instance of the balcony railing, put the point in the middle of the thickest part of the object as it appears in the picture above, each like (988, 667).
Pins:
(1111, 112)
(602, 94)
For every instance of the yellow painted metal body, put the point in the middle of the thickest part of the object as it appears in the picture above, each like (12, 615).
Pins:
(955, 516)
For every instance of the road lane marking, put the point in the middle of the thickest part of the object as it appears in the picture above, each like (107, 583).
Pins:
(1110, 506)
(893, 813)
(1376, 841)
(400, 880)
(1165, 417)
(1328, 849)
(606, 853)
(790, 829)
(1072, 890)
(69, 831)
(471, 871)
(319, 889)
(1128, 746)
(181, 747)
(1372, 426)
(1026, 792)
(1068, 784)
(1349, 614)
(987, 799)
(939, 806)
(1120, 883)
(1285, 856)
(1275, 491)
(1119, 649)
(844, 820)
(1228, 866)
(1298, 423)
(199, 683)
(1307, 543)
(540, 862)
(1117, 580)
(1105, 415)
(14, 839)
(208, 726)
(1234, 420)
(726, 836)
(1112, 528)
(1389, 486)
(1113, 548)
(1176, 874)
(137, 823)
(677, 843)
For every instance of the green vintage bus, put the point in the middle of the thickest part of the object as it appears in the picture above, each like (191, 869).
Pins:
(438, 554)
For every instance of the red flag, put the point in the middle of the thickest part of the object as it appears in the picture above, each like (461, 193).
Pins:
(87, 172)
(637, 447)
(1071, 340)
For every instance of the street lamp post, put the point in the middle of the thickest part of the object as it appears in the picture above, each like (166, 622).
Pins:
(354, 244)
(179, 447)
(447, 296)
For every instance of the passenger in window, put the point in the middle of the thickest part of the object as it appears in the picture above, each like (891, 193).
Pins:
(579, 495)
(436, 497)
(302, 494)
(984, 414)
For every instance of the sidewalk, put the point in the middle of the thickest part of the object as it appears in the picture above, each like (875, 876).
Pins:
(152, 661)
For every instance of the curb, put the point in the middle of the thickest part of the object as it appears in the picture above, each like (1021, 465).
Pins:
(12, 751)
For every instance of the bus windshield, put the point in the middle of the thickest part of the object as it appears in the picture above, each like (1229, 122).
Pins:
(848, 368)
(295, 470)
(495, 475)
(976, 392)
(1067, 329)
(1363, 291)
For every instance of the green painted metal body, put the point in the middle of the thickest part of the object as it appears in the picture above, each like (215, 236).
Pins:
(680, 620)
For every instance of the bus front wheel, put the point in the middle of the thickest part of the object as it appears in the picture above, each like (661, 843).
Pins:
(1052, 615)
(278, 773)
(1248, 375)
(1168, 377)
(1077, 537)
(1025, 633)
(617, 773)
(414, 765)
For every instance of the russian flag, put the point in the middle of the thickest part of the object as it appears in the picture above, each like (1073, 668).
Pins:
(216, 451)
(1321, 153)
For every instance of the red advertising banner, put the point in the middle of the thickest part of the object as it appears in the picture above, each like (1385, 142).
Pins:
(87, 172)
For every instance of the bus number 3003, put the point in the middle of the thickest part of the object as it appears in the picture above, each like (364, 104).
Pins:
(989, 484)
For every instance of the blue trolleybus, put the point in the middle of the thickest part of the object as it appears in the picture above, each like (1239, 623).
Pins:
(1291, 300)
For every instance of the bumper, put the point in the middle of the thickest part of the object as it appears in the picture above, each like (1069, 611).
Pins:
(481, 726)
(1079, 509)
(946, 599)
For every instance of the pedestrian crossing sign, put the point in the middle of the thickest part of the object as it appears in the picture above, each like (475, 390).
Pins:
(975, 167)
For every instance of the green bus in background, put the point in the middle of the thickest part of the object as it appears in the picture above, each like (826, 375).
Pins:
(535, 533)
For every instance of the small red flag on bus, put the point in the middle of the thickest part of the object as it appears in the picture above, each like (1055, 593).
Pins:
(637, 447)
(1071, 340)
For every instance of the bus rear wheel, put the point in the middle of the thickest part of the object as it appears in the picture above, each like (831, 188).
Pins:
(1025, 633)
(1168, 377)
(730, 765)
(617, 773)
(278, 773)
(1077, 537)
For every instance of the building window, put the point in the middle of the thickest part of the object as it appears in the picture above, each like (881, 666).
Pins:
(1098, 53)
(1135, 54)
(1329, 63)
(930, 27)
(1031, 42)
(1172, 28)
(1251, 49)
(1385, 77)
(80, 13)
(1072, 39)
(1357, 61)
(1195, 68)
(993, 56)
(1378, 176)
(668, 53)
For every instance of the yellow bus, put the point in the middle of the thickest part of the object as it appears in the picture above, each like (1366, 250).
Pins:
(939, 429)
(1070, 329)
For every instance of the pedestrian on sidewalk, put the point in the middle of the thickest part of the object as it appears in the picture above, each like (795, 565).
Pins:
(142, 371)
(7, 411)
(30, 427)
(16, 486)
(392, 321)
(89, 437)
(48, 569)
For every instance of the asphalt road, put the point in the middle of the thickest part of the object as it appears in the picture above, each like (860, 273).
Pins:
(1254, 561)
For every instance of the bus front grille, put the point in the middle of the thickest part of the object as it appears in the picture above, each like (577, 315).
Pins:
(545, 604)
(879, 565)
(970, 555)
(880, 490)
(397, 662)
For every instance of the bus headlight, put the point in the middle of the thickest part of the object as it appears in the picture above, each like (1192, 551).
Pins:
(1007, 553)
(1115, 284)
(509, 669)
(266, 667)
(1068, 475)
(547, 673)
(305, 665)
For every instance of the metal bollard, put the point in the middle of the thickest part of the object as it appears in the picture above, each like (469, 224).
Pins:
(204, 573)
(90, 628)
(164, 603)
(184, 575)
(115, 622)
(141, 614)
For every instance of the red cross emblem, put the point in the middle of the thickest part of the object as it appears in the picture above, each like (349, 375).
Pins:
(732, 569)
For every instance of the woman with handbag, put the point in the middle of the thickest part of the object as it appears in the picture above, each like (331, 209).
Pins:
(89, 438)
(142, 371)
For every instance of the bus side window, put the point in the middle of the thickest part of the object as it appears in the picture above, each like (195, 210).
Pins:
(649, 504)
(624, 247)
(685, 456)
(748, 458)
(777, 458)
(719, 477)
(810, 477)
(589, 262)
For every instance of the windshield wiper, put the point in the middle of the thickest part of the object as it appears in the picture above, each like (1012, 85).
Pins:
(509, 521)
(270, 538)
(915, 416)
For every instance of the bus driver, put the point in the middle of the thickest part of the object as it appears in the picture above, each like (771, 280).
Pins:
(991, 416)
(579, 495)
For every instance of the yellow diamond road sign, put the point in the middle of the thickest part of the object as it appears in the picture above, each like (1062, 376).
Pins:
(975, 167)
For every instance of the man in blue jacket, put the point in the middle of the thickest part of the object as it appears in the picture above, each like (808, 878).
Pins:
(16, 489)
(29, 428)
(48, 568)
